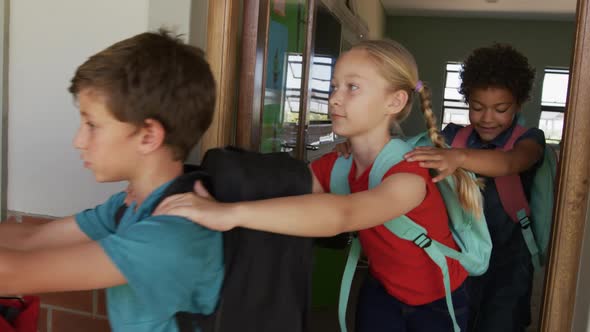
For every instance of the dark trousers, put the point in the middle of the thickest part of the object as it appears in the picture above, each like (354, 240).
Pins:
(500, 300)
(377, 311)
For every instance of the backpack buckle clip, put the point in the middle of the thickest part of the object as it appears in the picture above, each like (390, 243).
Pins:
(422, 241)
(524, 222)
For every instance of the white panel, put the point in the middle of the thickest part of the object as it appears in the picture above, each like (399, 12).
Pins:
(172, 15)
(48, 40)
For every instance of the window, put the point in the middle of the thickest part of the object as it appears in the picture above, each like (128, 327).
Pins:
(321, 75)
(553, 98)
(455, 110)
(293, 87)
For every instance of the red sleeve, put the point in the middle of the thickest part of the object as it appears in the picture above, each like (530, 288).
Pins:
(410, 167)
(433, 202)
(322, 168)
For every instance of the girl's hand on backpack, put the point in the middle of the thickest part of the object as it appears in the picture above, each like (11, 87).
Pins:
(200, 208)
(343, 149)
(444, 161)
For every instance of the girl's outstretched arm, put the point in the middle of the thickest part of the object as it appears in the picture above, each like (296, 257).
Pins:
(490, 163)
(313, 215)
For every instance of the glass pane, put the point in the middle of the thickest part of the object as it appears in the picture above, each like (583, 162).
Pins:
(321, 75)
(453, 66)
(319, 137)
(455, 110)
(552, 124)
(286, 37)
(453, 80)
(554, 88)
(452, 94)
(456, 116)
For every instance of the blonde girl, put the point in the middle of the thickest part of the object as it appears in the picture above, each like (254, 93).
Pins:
(373, 87)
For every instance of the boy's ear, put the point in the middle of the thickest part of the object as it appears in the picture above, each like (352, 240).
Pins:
(396, 101)
(152, 135)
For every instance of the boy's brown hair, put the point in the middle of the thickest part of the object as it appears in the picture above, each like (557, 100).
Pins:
(154, 76)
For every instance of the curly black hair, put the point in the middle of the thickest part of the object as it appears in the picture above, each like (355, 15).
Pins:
(498, 66)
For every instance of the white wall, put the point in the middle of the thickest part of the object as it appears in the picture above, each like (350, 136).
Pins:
(373, 13)
(173, 15)
(48, 40)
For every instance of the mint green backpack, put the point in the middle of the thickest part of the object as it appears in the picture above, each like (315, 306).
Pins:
(541, 203)
(470, 233)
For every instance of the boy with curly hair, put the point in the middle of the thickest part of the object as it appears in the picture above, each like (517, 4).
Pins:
(144, 103)
(496, 82)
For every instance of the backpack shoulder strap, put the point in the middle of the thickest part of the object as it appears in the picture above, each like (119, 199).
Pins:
(339, 176)
(514, 200)
(390, 155)
(180, 185)
(460, 140)
(516, 133)
(405, 227)
(510, 188)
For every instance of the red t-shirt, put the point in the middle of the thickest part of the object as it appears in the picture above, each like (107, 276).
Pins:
(402, 267)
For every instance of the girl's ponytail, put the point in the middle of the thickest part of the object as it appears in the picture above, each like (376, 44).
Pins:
(468, 189)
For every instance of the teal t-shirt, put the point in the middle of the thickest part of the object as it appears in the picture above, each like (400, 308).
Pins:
(170, 264)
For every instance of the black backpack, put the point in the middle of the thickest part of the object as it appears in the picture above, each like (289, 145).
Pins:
(267, 285)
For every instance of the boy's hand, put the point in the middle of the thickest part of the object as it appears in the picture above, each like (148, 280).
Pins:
(199, 207)
(444, 161)
(343, 149)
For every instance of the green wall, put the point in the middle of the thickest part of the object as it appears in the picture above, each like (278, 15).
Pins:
(434, 41)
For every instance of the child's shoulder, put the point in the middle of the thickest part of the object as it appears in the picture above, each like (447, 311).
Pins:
(177, 228)
(450, 131)
(534, 134)
(322, 168)
(409, 167)
(115, 200)
(327, 159)
(325, 163)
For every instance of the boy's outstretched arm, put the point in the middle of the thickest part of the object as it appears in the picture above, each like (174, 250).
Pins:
(57, 233)
(313, 215)
(78, 267)
(491, 163)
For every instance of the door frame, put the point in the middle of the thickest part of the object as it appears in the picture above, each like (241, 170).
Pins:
(571, 203)
(4, 35)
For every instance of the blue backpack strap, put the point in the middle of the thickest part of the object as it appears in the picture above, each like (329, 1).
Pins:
(339, 176)
(353, 256)
(407, 229)
(339, 173)
(529, 237)
(339, 185)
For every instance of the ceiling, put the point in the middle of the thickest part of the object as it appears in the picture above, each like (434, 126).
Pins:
(530, 9)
